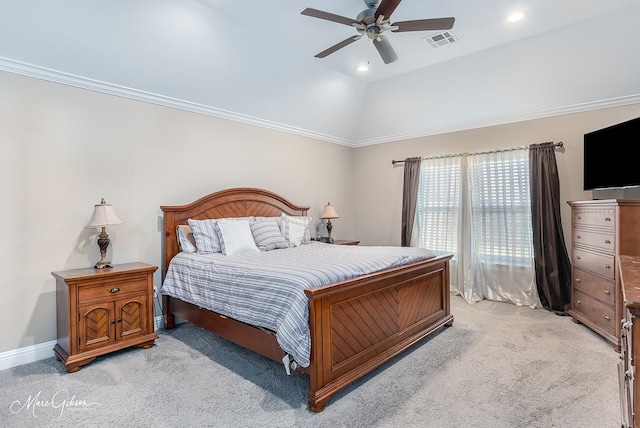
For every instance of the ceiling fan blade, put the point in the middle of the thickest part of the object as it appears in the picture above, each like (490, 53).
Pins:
(424, 25)
(329, 16)
(337, 46)
(384, 49)
(386, 8)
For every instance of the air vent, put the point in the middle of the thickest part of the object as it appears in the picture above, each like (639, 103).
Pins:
(441, 39)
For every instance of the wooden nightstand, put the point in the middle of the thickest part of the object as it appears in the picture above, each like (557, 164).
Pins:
(103, 310)
(345, 242)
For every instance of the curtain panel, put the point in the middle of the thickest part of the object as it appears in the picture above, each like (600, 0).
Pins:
(552, 262)
(409, 198)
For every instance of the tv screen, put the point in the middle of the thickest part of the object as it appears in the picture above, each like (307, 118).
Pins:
(610, 157)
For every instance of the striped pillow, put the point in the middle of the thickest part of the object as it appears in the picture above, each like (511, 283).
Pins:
(267, 235)
(206, 236)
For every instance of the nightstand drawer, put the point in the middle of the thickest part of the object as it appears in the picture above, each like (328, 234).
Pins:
(112, 289)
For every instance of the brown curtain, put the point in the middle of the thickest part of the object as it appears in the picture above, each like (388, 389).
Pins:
(409, 197)
(552, 263)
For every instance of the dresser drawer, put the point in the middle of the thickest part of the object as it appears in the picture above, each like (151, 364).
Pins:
(599, 241)
(596, 217)
(594, 286)
(598, 313)
(598, 264)
(112, 290)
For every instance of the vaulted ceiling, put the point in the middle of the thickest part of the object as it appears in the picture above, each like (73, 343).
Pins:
(254, 61)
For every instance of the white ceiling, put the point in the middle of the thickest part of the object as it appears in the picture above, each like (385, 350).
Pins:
(254, 61)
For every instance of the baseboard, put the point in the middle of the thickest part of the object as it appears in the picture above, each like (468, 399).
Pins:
(42, 351)
(28, 354)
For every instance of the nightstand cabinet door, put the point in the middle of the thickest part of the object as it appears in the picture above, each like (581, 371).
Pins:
(96, 327)
(103, 310)
(130, 319)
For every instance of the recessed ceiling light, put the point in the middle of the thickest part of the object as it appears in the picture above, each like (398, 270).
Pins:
(515, 16)
(363, 67)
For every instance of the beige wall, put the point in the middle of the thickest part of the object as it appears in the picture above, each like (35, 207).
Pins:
(63, 148)
(378, 185)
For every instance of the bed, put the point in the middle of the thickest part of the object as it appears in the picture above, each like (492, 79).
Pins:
(355, 325)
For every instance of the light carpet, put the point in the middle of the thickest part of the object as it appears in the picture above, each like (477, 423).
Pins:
(498, 366)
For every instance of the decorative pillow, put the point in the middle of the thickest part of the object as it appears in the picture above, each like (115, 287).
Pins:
(204, 232)
(303, 221)
(296, 234)
(267, 235)
(186, 241)
(235, 236)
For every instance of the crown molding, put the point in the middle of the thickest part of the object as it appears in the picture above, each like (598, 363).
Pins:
(43, 73)
(541, 114)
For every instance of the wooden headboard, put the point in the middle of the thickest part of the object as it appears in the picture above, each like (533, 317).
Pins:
(236, 202)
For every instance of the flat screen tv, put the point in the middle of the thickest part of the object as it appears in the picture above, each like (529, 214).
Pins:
(610, 156)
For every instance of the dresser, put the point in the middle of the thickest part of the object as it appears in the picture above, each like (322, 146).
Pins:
(629, 268)
(600, 231)
(103, 310)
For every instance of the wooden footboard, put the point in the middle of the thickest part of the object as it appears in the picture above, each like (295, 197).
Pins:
(359, 325)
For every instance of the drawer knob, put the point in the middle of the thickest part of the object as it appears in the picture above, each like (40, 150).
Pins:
(607, 219)
(578, 237)
(607, 318)
(607, 292)
(625, 324)
(114, 290)
(579, 217)
(606, 241)
(628, 375)
(578, 280)
(577, 257)
(578, 302)
(606, 267)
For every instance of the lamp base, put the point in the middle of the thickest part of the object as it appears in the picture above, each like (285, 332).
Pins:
(103, 265)
(103, 244)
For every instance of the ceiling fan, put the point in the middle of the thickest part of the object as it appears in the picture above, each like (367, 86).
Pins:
(373, 22)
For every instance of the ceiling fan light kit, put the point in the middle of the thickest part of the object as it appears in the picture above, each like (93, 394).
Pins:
(373, 22)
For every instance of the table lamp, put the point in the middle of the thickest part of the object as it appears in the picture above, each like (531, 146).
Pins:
(328, 213)
(103, 215)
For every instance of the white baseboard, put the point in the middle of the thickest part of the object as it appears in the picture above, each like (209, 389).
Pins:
(28, 354)
(42, 351)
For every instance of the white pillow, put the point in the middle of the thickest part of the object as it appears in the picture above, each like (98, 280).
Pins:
(303, 221)
(235, 237)
(296, 234)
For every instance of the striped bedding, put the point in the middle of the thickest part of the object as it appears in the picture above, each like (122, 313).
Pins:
(266, 289)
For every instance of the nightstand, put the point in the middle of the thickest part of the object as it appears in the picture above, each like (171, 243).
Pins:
(103, 310)
(345, 242)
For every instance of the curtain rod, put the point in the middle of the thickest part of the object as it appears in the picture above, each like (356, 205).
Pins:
(393, 162)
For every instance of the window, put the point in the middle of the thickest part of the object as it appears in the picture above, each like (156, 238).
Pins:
(477, 207)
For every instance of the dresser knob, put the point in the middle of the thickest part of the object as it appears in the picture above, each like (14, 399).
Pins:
(607, 318)
(578, 280)
(606, 267)
(607, 292)
(578, 237)
(578, 302)
(607, 219)
(579, 217)
(577, 257)
(114, 290)
(607, 241)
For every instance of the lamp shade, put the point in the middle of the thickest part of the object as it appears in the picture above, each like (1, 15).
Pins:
(329, 212)
(103, 215)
